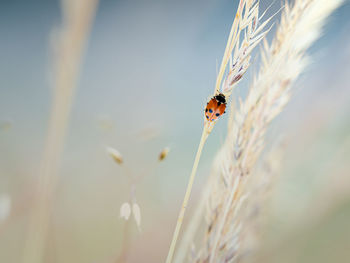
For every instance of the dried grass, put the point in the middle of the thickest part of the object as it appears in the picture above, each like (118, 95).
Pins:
(245, 26)
(282, 62)
(68, 47)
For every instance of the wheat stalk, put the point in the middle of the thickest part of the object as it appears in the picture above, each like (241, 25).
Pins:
(282, 63)
(69, 45)
(246, 22)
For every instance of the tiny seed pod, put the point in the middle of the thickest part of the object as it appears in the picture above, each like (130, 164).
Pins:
(137, 214)
(116, 155)
(164, 153)
(125, 210)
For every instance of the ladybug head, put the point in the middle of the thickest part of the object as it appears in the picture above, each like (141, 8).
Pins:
(220, 98)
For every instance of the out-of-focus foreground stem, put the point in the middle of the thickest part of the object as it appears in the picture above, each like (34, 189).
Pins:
(68, 46)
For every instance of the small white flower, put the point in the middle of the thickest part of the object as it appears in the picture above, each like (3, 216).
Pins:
(125, 210)
(5, 206)
(137, 214)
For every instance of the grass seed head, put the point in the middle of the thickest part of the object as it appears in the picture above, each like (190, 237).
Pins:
(136, 211)
(246, 33)
(115, 154)
(163, 154)
(125, 211)
(282, 62)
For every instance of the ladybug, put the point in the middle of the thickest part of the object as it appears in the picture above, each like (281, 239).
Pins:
(215, 107)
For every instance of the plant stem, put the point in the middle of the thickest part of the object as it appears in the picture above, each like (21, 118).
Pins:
(125, 245)
(71, 40)
(180, 218)
(193, 226)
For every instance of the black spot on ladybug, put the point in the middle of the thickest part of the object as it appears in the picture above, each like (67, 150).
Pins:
(210, 110)
(207, 117)
(206, 110)
(217, 114)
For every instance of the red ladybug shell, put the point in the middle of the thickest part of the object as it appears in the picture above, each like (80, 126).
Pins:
(215, 107)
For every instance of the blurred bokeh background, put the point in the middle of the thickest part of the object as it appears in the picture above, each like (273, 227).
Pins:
(148, 69)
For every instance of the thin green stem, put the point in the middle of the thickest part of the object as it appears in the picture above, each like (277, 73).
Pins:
(180, 218)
